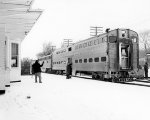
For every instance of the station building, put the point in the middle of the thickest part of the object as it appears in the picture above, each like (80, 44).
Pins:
(16, 20)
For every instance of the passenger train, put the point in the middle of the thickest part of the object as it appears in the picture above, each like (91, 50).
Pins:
(113, 55)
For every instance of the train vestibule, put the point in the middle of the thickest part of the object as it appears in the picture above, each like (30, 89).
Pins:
(125, 56)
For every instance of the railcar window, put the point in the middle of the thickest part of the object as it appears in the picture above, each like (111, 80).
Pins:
(76, 61)
(90, 60)
(134, 40)
(96, 59)
(103, 59)
(85, 60)
(102, 39)
(112, 39)
(80, 60)
(105, 39)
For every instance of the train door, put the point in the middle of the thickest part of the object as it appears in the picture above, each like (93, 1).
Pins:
(125, 56)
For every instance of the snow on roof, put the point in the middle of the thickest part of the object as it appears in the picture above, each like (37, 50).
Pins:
(17, 17)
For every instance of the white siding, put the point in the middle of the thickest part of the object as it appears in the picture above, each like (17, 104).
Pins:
(2, 58)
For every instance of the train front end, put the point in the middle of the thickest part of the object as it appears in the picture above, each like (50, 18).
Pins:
(128, 54)
(123, 54)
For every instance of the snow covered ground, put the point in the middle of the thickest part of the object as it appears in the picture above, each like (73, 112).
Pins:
(58, 98)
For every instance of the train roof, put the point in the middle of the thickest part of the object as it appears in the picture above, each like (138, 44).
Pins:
(104, 34)
(45, 56)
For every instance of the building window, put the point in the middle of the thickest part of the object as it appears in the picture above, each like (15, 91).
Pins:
(14, 55)
(90, 60)
(85, 60)
(96, 59)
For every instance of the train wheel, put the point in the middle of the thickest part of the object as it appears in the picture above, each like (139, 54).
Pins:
(57, 72)
(93, 76)
(61, 72)
(101, 77)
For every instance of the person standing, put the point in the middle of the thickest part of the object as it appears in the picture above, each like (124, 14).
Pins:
(146, 70)
(68, 70)
(36, 67)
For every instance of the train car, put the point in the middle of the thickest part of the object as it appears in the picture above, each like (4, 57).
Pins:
(60, 58)
(113, 55)
(47, 66)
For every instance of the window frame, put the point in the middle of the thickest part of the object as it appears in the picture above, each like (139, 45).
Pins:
(96, 60)
(90, 60)
(14, 56)
(80, 60)
(85, 60)
(103, 58)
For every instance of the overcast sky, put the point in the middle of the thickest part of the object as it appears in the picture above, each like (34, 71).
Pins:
(71, 19)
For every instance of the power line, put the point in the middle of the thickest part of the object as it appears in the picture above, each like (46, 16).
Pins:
(53, 48)
(96, 30)
(67, 42)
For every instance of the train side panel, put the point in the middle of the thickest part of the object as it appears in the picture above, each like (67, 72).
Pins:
(59, 59)
(112, 51)
(91, 55)
(135, 41)
(47, 66)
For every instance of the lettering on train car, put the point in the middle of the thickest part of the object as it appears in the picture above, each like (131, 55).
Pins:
(90, 43)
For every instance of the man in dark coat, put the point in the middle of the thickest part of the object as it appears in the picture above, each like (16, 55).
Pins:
(36, 67)
(68, 70)
(146, 70)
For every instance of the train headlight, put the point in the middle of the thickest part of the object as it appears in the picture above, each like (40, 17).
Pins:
(123, 33)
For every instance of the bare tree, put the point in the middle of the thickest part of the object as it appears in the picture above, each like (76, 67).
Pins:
(25, 66)
(47, 49)
(145, 40)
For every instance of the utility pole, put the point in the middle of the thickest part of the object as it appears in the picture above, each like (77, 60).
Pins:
(97, 30)
(53, 48)
(67, 42)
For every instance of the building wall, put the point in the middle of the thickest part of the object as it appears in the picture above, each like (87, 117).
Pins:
(2, 58)
(7, 62)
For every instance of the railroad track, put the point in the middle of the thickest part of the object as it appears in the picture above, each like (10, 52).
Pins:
(137, 82)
